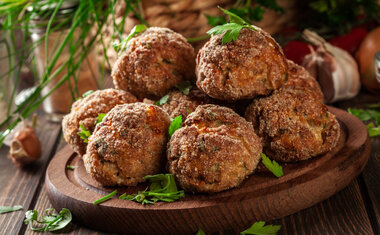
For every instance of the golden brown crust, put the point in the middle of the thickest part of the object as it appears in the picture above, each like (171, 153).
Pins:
(252, 65)
(154, 62)
(215, 150)
(293, 125)
(300, 78)
(85, 111)
(128, 144)
(181, 104)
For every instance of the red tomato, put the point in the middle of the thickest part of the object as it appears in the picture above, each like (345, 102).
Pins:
(350, 41)
(296, 51)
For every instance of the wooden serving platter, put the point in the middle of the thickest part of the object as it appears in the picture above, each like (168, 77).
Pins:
(261, 197)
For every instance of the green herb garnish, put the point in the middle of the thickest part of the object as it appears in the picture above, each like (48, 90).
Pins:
(50, 222)
(70, 167)
(184, 87)
(162, 188)
(87, 93)
(175, 125)
(368, 115)
(200, 232)
(163, 100)
(105, 198)
(6, 209)
(120, 47)
(100, 117)
(84, 133)
(273, 166)
(259, 228)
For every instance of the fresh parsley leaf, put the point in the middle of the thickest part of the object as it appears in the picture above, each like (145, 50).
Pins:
(364, 114)
(215, 20)
(372, 130)
(87, 93)
(200, 232)
(100, 117)
(50, 222)
(273, 166)
(105, 198)
(162, 188)
(175, 125)
(70, 167)
(6, 209)
(120, 47)
(84, 133)
(232, 29)
(184, 87)
(259, 228)
(163, 100)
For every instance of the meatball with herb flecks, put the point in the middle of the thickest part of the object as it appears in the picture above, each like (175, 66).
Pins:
(215, 150)
(128, 144)
(252, 65)
(154, 62)
(85, 112)
(293, 125)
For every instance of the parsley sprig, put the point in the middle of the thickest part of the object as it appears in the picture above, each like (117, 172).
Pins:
(259, 228)
(50, 222)
(120, 47)
(232, 29)
(371, 115)
(6, 209)
(162, 188)
(273, 166)
(175, 125)
(84, 133)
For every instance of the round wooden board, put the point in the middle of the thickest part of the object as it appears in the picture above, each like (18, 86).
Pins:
(261, 197)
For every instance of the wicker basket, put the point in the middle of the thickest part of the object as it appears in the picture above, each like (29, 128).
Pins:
(187, 17)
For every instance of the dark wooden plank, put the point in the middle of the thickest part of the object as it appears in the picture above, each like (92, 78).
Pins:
(19, 185)
(343, 213)
(371, 173)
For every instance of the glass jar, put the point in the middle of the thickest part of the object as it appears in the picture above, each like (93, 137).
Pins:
(58, 103)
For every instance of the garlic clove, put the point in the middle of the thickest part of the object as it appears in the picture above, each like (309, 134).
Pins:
(25, 147)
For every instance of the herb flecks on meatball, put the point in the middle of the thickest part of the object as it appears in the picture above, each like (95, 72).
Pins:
(215, 150)
(154, 62)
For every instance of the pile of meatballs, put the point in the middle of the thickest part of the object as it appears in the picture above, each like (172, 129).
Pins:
(246, 98)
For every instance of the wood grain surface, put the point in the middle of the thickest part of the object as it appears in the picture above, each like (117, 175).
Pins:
(261, 197)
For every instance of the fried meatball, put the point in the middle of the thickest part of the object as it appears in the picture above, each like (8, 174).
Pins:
(154, 62)
(293, 126)
(128, 144)
(85, 111)
(215, 150)
(300, 78)
(181, 104)
(252, 65)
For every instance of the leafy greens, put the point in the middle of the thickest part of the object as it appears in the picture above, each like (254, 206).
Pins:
(273, 166)
(49, 222)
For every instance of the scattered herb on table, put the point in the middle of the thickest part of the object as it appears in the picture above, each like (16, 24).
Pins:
(84, 133)
(200, 232)
(136, 30)
(163, 100)
(70, 167)
(105, 198)
(368, 115)
(184, 87)
(175, 125)
(162, 188)
(49, 222)
(273, 166)
(6, 209)
(232, 29)
(259, 228)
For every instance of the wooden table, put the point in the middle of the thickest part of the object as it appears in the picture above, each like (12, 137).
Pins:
(354, 210)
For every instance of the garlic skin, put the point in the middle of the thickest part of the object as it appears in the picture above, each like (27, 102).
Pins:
(335, 69)
(25, 147)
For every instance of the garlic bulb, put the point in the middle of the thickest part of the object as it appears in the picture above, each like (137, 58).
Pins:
(335, 69)
(25, 147)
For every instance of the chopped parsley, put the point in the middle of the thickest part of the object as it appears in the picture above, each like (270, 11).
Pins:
(163, 100)
(273, 166)
(259, 228)
(175, 125)
(49, 222)
(369, 115)
(6, 209)
(120, 47)
(84, 133)
(100, 117)
(162, 188)
(184, 87)
(87, 93)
